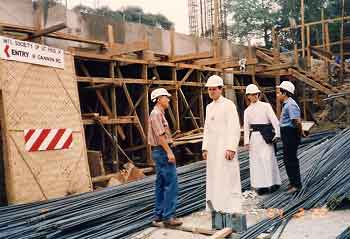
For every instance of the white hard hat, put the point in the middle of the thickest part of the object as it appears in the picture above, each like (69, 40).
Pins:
(287, 86)
(214, 81)
(159, 92)
(252, 89)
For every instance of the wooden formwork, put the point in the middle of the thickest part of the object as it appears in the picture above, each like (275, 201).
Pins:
(114, 82)
(35, 97)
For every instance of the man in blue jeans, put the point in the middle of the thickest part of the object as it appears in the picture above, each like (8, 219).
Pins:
(291, 132)
(159, 137)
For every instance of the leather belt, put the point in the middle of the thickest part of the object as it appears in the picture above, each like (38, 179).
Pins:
(160, 147)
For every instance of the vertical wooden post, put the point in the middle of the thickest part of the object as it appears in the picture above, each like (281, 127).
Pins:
(172, 42)
(39, 20)
(216, 47)
(304, 102)
(328, 47)
(302, 28)
(341, 75)
(308, 47)
(323, 29)
(276, 60)
(115, 157)
(175, 100)
(201, 103)
(146, 111)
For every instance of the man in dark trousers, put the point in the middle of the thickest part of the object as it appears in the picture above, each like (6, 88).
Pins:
(291, 132)
(159, 137)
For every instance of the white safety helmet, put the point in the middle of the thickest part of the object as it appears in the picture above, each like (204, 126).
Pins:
(159, 92)
(287, 86)
(214, 81)
(252, 89)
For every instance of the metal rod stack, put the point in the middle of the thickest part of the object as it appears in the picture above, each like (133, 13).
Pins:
(117, 212)
(326, 172)
(345, 234)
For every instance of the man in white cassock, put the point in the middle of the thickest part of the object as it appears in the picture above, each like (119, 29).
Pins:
(261, 130)
(220, 144)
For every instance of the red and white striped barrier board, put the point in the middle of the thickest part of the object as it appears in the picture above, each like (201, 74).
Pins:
(47, 139)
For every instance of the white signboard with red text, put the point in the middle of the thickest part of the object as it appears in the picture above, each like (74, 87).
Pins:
(30, 52)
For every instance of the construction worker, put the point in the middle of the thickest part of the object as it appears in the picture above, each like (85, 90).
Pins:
(220, 144)
(159, 137)
(261, 130)
(291, 132)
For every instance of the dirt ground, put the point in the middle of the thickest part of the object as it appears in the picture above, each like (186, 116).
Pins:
(313, 224)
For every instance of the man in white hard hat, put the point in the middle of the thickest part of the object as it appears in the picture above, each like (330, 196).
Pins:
(291, 132)
(220, 144)
(159, 137)
(261, 131)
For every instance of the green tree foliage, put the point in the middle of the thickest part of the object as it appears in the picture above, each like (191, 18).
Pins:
(252, 18)
(130, 14)
(257, 17)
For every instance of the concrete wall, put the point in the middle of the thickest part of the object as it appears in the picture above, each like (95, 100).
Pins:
(17, 12)
(95, 27)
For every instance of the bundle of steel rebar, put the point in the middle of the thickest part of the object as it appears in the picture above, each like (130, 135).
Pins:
(325, 169)
(115, 212)
(110, 213)
(345, 234)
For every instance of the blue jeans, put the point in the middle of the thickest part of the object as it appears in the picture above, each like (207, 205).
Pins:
(166, 186)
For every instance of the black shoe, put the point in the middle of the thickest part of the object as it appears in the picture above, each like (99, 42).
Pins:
(274, 188)
(262, 191)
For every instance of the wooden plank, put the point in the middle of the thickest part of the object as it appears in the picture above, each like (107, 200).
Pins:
(201, 68)
(191, 56)
(212, 61)
(233, 64)
(120, 81)
(187, 229)
(119, 120)
(322, 51)
(120, 49)
(44, 32)
(314, 84)
(275, 67)
(264, 56)
(222, 233)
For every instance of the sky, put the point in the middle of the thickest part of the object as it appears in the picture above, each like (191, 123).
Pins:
(176, 10)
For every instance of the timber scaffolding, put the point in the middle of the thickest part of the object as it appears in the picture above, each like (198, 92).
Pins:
(115, 80)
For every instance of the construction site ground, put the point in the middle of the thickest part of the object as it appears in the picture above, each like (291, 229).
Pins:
(321, 224)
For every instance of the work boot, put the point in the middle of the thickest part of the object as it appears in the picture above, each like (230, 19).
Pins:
(293, 190)
(172, 222)
(157, 219)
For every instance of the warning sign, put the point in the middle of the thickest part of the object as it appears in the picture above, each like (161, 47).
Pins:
(30, 52)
